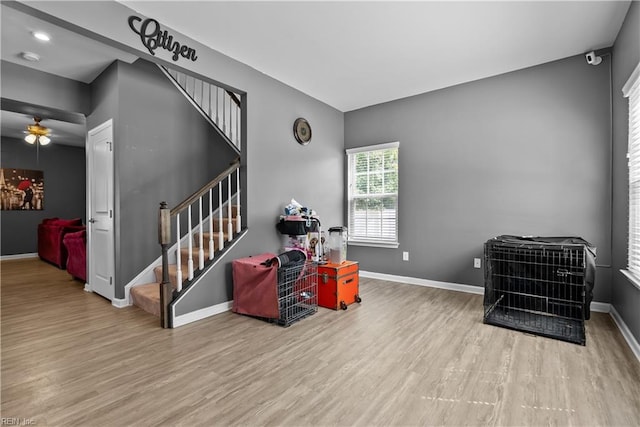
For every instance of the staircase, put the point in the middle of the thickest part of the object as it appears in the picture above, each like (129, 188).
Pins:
(147, 296)
(200, 236)
(219, 106)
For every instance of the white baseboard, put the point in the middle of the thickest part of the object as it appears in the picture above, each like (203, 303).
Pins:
(424, 282)
(600, 307)
(202, 314)
(18, 256)
(120, 303)
(87, 288)
(626, 332)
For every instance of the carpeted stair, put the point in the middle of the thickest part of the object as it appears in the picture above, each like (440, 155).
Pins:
(147, 296)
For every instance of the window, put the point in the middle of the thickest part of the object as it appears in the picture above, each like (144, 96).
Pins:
(373, 195)
(632, 90)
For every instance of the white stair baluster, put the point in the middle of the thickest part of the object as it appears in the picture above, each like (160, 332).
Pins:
(224, 112)
(211, 245)
(178, 256)
(231, 104)
(217, 114)
(190, 258)
(200, 242)
(238, 117)
(210, 104)
(238, 221)
(229, 216)
(183, 79)
(220, 223)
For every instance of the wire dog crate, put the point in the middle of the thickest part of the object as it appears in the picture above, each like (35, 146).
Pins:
(540, 285)
(297, 291)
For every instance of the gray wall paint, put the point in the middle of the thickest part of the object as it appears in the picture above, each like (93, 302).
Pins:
(164, 150)
(280, 169)
(626, 55)
(44, 89)
(523, 153)
(277, 167)
(64, 195)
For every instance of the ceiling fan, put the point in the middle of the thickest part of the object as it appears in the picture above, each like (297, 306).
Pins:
(37, 133)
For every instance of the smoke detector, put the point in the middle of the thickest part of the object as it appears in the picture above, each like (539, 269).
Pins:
(30, 56)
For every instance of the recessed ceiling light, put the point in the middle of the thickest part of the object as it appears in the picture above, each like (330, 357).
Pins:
(41, 36)
(30, 56)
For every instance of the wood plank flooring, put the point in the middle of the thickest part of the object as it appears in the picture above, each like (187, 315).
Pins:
(406, 356)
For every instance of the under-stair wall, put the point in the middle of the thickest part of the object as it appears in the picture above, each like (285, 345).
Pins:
(163, 149)
(195, 238)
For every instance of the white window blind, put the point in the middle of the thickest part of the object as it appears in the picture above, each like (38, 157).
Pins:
(373, 195)
(631, 90)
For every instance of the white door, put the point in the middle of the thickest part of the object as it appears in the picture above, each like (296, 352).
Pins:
(100, 199)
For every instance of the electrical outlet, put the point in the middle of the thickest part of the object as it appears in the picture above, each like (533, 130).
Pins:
(405, 256)
(477, 263)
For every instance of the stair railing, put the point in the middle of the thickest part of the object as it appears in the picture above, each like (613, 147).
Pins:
(164, 231)
(218, 105)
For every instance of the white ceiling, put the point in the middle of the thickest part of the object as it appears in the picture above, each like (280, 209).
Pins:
(355, 54)
(347, 54)
(67, 54)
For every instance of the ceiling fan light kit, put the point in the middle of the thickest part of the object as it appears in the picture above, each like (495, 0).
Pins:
(37, 133)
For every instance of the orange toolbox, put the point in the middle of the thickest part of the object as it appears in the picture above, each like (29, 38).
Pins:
(338, 285)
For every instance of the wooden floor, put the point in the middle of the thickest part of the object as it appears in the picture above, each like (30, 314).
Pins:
(408, 355)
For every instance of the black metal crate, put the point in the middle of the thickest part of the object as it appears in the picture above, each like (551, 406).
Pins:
(539, 285)
(297, 291)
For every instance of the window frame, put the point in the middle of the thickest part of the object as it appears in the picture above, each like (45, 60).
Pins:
(363, 240)
(631, 90)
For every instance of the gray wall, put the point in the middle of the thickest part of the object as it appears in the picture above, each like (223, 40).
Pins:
(626, 55)
(524, 153)
(164, 150)
(280, 169)
(44, 89)
(277, 168)
(64, 194)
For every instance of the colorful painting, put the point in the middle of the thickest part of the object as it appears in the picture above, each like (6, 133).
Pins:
(21, 189)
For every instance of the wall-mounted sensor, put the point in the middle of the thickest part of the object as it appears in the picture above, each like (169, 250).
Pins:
(592, 58)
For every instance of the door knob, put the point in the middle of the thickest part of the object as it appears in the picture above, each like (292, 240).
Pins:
(91, 220)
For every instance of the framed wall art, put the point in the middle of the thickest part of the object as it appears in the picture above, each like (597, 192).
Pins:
(21, 189)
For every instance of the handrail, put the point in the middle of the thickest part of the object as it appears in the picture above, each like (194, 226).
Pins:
(203, 190)
(234, 97)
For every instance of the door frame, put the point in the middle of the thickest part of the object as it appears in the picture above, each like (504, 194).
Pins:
(89, 186)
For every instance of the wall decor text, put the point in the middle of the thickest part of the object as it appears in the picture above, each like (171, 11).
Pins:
(153, 37)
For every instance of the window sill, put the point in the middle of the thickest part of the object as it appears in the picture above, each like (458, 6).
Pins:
(633, 279)
(390, 245)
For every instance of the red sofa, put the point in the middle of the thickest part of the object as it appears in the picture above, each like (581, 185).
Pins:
(76, 245)
(51, 231)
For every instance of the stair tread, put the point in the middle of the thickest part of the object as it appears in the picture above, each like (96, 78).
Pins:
(147, 297)
(173, 272)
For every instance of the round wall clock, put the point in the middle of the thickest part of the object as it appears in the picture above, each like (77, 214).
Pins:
(302, 131)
